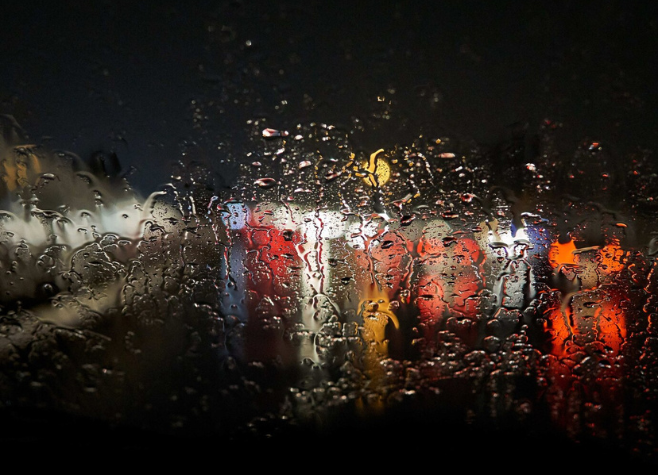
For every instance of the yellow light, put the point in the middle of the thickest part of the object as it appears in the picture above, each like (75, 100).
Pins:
(21, 169)
(379, 171)
(377, 313)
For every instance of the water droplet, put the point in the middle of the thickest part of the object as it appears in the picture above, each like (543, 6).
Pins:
(273, 133)
(265, 182)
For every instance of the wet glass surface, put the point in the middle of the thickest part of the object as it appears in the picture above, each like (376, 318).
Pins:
(318, 275)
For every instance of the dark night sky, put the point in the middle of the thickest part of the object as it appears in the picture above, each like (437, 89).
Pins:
(122, 76)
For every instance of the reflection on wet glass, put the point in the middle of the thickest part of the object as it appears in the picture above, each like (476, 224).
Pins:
(326, 283)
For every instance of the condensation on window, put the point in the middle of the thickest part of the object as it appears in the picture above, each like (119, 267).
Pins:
(329, 283)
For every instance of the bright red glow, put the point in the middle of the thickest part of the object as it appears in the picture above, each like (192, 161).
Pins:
(450, 278)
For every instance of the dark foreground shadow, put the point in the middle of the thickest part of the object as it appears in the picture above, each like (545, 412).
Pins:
(414, 441)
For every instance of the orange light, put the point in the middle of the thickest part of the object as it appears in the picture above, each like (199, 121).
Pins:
(605, 322)
(610, 258)
(560, 255)
(611, 325)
